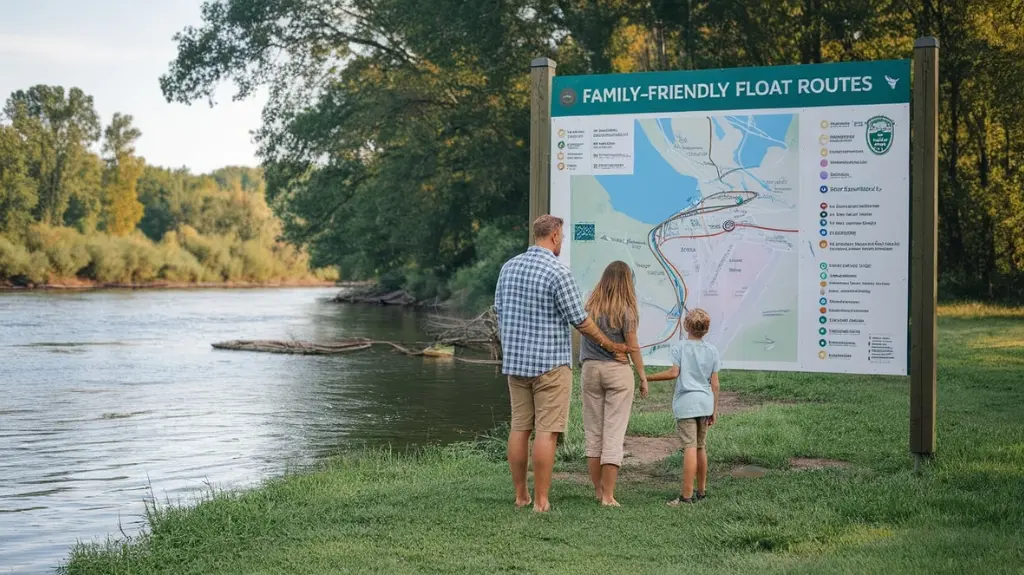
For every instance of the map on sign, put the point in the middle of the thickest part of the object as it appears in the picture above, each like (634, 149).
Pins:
(708, 218)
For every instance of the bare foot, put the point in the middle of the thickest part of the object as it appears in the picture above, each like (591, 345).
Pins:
(542, 507)
(520, 503)
(610, 503)
(598, 494)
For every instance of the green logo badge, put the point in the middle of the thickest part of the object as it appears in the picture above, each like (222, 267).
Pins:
(879, 134)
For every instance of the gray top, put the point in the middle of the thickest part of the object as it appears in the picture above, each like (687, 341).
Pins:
(591, 351)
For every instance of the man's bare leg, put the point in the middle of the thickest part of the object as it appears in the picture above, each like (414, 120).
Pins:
(689, 471)
(518, 457)
(702, 470)
(544, 445)
(594, 468)
(609, 475)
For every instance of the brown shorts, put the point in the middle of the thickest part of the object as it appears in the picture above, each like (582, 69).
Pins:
(541, 402)
(692, 431)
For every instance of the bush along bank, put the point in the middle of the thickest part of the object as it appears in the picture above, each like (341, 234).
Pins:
(832, 490)
(58, 256)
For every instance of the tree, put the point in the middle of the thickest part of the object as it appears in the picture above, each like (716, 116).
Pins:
(58, 130)
(123, 211)
(17, 192)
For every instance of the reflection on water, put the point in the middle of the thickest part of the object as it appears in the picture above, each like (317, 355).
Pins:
(105, 394)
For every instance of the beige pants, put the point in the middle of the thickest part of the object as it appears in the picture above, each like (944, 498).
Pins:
(607, 399)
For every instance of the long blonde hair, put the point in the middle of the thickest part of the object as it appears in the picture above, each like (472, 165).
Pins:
(614, 298)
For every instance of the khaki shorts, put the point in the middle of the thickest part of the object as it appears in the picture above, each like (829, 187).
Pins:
(541, 402)
(693, 431)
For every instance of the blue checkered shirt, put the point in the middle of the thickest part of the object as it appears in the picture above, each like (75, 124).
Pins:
(536, 300)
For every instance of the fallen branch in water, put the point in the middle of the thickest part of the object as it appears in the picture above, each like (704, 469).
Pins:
(339, 347)
(480, 332)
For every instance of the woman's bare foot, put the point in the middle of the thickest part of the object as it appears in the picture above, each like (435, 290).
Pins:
(610, 503)
(542, 506)
(520, 503)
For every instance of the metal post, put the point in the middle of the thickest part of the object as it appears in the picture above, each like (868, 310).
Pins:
(924, 248)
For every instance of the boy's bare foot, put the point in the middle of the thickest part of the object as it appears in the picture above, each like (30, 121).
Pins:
(542, 507)
(599, 494)
(610, 503)
(520, 503)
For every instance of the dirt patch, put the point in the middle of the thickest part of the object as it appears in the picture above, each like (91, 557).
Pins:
(647, 450)
(748, 471)
(811, 463)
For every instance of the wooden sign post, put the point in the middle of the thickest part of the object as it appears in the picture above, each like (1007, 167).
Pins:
(924, 248)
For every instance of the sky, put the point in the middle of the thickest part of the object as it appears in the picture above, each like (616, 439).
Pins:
(116, 51)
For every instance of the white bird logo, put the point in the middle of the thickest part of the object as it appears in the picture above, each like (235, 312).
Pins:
(892, 82)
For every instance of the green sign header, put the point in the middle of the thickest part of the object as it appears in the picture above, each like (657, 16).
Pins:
(806, 86)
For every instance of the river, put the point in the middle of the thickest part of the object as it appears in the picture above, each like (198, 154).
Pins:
(109, 397)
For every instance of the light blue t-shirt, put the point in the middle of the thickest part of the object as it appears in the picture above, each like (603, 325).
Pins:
(693, 397)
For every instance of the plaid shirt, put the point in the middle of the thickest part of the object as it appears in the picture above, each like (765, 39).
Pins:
(536, 300)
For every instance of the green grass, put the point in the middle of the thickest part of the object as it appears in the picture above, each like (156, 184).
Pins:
(448, 510)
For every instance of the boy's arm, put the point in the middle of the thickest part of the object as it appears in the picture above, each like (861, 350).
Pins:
(714, 390)
(667, 375)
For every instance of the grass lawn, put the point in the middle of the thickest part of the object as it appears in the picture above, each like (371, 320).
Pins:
(449, 510)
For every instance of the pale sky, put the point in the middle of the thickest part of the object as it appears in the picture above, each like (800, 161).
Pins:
(116, 50)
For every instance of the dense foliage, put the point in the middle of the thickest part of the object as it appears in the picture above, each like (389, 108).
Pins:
(396, 136)
(67, 213)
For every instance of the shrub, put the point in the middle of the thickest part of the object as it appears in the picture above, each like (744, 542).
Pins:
(20, 266)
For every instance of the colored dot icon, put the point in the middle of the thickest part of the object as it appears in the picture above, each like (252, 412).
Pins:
(823, 244)
(823, 232)
(561, 166)
(824, 175)
(561, 133)
(823, 215)
(824, 163)
(561, 145)
(824, 190)
(823, 284)
(824, 276)
(823, 301)
(823, 320)
(822, 355)
(824, 222)
(824, 206)
(822, 343)
(823, 139)
(824, 153)
(822, 310)
(822, 331)
(824, 124)
(823, 266)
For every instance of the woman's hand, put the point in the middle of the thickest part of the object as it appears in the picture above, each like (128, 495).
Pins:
(643, 388)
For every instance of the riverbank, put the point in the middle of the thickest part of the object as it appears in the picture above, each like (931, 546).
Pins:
(810, 474)
(86, 285)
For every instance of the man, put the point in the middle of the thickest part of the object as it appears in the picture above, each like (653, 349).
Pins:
(537, 300)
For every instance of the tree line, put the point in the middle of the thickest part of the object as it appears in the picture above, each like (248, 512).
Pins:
(396, 137)
(68, 213)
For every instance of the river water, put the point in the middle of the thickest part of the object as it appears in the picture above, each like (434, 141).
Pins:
(109, 397)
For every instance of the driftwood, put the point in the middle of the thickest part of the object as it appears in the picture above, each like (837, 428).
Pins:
(331, 348)
(480, 332)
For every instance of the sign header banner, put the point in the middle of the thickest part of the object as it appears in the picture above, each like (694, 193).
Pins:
(804, 86)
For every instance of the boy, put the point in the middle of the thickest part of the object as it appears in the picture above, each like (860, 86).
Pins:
(695, 366)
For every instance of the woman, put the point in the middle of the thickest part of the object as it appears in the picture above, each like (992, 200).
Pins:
(607, 383)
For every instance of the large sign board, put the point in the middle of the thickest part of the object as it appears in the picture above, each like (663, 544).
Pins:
(776, 199)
